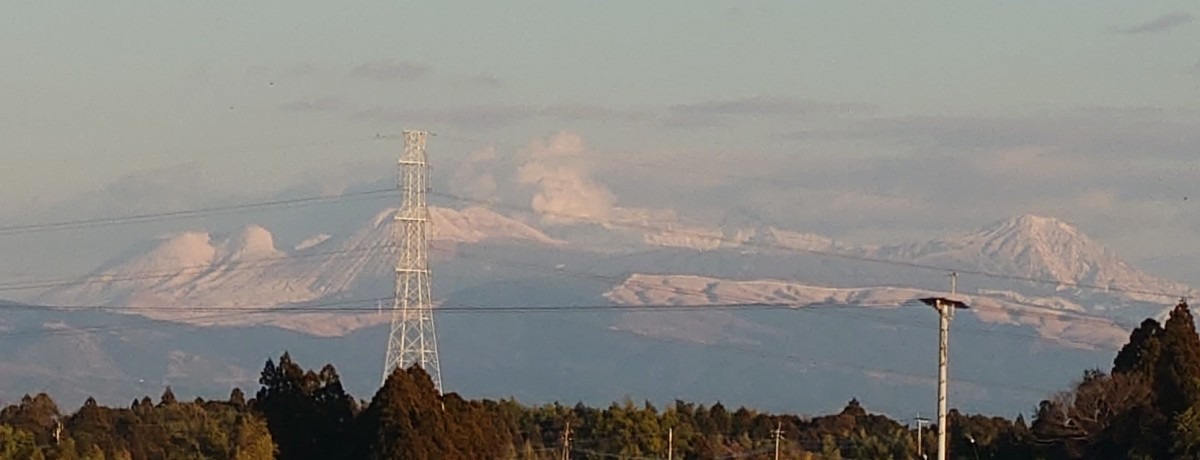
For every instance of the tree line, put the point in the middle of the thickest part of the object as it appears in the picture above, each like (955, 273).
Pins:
(1147, 406)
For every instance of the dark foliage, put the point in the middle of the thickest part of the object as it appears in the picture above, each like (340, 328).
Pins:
(1146, 407)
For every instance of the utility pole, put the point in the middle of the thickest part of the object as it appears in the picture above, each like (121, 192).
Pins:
(945, 308)
(566, 452)
(920, 427)
(670, 443)
(778, 434)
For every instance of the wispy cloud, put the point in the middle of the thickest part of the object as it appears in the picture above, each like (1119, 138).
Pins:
(1133, 163)
(472, 116)
(495, 115)
(587, 112)
(718, 111)
(761, 105)
(390, 70)
(303, 69)
(1160, 24)
(324, 104)
(480, 81)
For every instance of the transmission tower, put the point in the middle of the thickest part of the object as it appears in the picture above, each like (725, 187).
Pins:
(412, 340)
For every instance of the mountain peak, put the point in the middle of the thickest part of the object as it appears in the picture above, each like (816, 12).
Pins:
(1036, 226)
(1037, 247)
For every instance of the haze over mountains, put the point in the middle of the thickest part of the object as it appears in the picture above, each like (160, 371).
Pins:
(1079, 309)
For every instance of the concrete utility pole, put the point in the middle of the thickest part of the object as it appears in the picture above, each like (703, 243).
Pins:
(670, 443)
(945, 308)
(920, 427)
(566, 452)
(778, 434)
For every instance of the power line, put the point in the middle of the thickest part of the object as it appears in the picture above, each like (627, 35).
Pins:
(151, 217)
(740, 349)
(188, 269)
(364, 306)
(1031, 310)
(360, 306)
(159, 216)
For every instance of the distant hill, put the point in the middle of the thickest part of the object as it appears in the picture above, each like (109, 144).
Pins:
(870, 346)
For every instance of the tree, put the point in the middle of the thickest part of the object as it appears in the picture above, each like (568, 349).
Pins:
(168, 397)
(18, 445)
(404, 419)
(38, 415)
(309, 414)
(1178, 369)
(253, 439)
(1140, 355)
(237, 398)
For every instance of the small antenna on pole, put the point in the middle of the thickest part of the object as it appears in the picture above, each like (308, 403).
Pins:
(953, 289)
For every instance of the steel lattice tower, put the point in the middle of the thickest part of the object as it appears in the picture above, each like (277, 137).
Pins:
(412, 340)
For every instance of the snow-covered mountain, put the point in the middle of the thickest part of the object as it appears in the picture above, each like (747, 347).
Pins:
(1021, 333)
(1031, 247)
(193, 270)
(177, 277)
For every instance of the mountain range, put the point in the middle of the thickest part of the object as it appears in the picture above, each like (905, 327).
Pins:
(1061, 302)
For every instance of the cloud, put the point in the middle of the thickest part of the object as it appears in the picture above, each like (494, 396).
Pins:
(480, 81)
(490, 116)
(1121, 133)
(324, 104)
(563, 184)
(1028, 161)
(474, 178)
(587, 112)
(472, 116)
(760, 105)
(1160, 24)
(714, 112)
(390, 70)
(303, 69)
(700, 114)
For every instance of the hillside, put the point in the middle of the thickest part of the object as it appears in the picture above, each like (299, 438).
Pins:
(180, 275)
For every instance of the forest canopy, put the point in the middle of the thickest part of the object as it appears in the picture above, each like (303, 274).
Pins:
(1146, 406)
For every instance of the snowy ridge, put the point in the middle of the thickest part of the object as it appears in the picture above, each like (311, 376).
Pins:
(996, 307)
(193, 270)
(182, 274)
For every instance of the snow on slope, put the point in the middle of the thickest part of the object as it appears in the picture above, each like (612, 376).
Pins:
(1062, 328)
(193, 270)
(1043, 248)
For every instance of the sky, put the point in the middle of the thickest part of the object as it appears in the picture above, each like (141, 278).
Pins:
(865, 121)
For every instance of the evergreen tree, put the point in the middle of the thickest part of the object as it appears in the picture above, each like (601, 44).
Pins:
(1177, 383)
(1141, 354)
(405, 419)
(309, 414)
(1178, 369)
